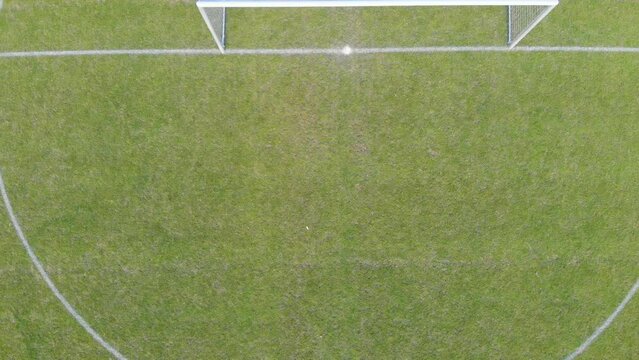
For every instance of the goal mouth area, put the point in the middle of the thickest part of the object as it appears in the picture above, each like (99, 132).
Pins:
(523, 15)
(366, 3)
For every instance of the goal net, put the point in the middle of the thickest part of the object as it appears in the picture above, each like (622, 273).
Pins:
(215, 18)
(523, 19)
(523, 15)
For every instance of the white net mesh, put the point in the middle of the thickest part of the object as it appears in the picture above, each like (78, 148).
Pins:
(216, 21)
(522, 19)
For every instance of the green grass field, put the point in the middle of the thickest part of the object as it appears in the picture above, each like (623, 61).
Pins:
(471, 206)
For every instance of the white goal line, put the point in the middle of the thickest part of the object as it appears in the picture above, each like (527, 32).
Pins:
(321, 51)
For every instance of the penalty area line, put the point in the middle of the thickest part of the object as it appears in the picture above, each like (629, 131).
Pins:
(45, 276)
(606, 324)
(321, 51)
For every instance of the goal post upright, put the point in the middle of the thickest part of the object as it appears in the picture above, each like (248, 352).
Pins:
(521, 21)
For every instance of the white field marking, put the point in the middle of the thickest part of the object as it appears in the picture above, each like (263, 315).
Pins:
(320, 51)
(292, 51)
(59, 53)
(606, 323)
(36, 262)
(299, 51)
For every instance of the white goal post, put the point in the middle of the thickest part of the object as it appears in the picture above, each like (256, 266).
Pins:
(523, 15)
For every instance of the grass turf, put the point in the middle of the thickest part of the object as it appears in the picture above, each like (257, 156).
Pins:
(453, 206)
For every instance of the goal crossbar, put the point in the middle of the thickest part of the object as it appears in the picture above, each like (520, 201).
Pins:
(214, 11)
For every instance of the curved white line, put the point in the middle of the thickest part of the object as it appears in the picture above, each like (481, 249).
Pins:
(36, 262)
(299, 51)
(319, 51)
(606, 323)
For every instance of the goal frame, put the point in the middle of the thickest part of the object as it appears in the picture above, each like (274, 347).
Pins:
(221, 5)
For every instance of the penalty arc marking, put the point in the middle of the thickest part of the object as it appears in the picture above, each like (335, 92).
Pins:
(293, 52)
(36, 262)
(45, 276)
(606, 324)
